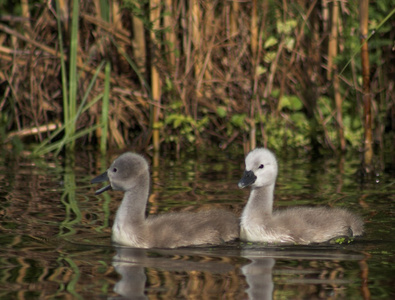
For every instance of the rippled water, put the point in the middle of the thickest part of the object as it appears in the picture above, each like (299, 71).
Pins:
(55, 233)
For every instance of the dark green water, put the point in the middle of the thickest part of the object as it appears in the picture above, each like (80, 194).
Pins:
(55, 233)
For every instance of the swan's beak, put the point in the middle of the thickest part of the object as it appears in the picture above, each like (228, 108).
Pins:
(247, 179)
(101, 178)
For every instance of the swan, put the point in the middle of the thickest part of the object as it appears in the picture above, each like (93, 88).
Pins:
(299, 225)
(130, 173)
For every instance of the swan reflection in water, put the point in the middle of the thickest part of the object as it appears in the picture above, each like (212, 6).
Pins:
(259, 278)
(302, 271)
(210, 273)
(206, 273)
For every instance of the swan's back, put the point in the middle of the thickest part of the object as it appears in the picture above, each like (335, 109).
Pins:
(192, 228)
(316, 224)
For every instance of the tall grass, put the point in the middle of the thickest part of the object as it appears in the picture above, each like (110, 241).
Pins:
(69, 88)
(250, 73)
(105, 109)
(73, 78)
(48, 146)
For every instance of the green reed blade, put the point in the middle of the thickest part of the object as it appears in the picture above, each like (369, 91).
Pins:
(88, 90)
(62, 63)
(105, 109)
(76, 135)
(73, 80)
(43, 148)
(105, 10)
(72, 283)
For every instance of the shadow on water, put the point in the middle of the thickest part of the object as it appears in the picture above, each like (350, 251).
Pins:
(55, 235)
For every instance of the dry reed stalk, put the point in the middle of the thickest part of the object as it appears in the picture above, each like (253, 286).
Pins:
(211, 27)
(32, 131)
(26, 14)
(254, 28)
(116, 134)
(195, 17)
(98, 8)
(255, 103)
(155, 79)
(332, 43)
(255, 64)
(203, 74)
(234, 15)
(260, 111)
(211, 30)
(333, 74)
(170, 34)
(115, 8)
(367, 101)
(186, 49)
(139, 43)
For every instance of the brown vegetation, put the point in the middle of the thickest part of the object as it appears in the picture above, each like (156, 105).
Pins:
(203, 70)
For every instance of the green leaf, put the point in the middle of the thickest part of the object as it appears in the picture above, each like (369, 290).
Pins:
(291, 102)
(286, 27)
(275, 93)
(271, 41)
(238, 120)
(221, 111)
(299, 118)
(269, 56)
(261, 70)
(177, 122)
(289, 43)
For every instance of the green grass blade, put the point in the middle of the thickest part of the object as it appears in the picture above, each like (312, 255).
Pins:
(70, 138)
(62, 64)
(105, 10)
(42, 149)
(73, 79)
(88, 90)
(105, 109)
(76, 135)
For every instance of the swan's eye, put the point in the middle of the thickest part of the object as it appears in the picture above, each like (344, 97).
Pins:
(261, 166)
(114, 170)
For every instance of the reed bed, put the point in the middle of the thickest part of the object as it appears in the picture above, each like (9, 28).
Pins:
(187, 73)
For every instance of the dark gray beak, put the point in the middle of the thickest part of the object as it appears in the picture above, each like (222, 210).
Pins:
(247, 179)
(101, 178)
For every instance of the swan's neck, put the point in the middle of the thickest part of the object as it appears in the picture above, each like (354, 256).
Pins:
(131, 212)
(260, 203)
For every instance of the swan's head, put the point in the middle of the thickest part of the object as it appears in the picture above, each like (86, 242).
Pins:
(261, 169)
(123, 173)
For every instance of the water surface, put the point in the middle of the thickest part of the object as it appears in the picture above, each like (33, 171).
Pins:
(55, 234)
